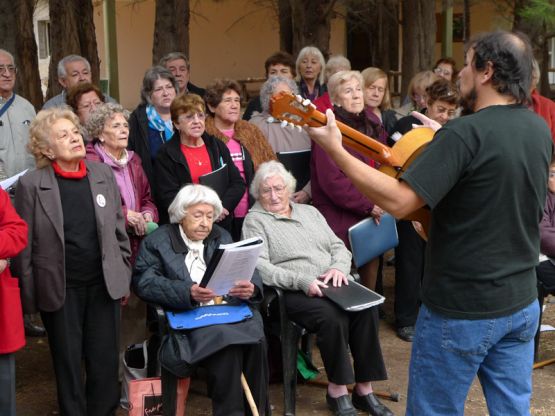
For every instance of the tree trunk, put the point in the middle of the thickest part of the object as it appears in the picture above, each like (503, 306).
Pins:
(285, 26)
(466, 20)
(87, 37)
(419, 32)
(64, 37)
(16, 20)
(311, 24)
(171, 28)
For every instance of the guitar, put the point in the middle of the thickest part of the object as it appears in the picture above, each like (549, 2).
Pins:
(393, 160)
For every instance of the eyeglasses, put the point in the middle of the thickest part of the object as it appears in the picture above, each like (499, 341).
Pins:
(90, 105)
(188, 118)
(441, 71)
(10, 69)
(279, 190)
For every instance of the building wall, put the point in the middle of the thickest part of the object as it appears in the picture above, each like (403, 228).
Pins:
(229, 38)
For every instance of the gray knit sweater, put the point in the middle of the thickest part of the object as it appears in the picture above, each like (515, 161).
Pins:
(296, 250)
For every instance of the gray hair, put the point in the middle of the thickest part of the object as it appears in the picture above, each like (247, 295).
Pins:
(62, 73)
(172, 56)
(5, 52)
(335, 64)
(268, 87)
(101, 114)
(267, 170)
(337, 79)
(193, 194)
(311, 50)
(152, 75)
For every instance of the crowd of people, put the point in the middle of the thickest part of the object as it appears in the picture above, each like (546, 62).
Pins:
(119, 210)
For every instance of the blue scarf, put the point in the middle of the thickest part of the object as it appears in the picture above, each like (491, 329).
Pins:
(155, 122)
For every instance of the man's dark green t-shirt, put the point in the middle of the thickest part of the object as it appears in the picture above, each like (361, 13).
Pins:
(484, 176)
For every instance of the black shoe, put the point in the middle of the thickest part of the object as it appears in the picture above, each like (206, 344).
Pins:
(32, 330)
(341, 406)
(370, 403)
(406, 333)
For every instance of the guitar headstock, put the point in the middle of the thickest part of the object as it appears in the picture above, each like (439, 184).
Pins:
(292, 108)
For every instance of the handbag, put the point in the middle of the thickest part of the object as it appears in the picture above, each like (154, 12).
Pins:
(135, 362)
(145, 397)
(12, 333)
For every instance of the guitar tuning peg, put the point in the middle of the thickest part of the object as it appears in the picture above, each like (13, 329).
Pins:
(270, 120)
(299, 98)
(291, 125)
(299, 128)
(283, 124)
(307, 102)
(312, 106)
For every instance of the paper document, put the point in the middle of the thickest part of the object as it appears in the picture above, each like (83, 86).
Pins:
(7, 183)
(231, 262)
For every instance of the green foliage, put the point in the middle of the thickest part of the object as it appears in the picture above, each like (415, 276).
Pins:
(540, 12)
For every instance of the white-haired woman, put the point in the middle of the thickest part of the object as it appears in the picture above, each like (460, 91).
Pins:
(310, 72)
(109, 129)
(301, 254)
(335, 64)
(169, 267)
(333, 193)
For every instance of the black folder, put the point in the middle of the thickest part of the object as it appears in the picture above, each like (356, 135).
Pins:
(218, 180)
(353, 297)
(298, 163)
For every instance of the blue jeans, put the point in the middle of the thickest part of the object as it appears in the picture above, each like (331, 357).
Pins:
(448, 353)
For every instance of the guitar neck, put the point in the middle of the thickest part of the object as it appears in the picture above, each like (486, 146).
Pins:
(360, 142)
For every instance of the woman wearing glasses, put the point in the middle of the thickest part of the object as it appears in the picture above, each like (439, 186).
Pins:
(192, 153)
(246, 143)
(446, 68)
(83, 100)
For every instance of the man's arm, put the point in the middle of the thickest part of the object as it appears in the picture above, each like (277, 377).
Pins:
(394, 196)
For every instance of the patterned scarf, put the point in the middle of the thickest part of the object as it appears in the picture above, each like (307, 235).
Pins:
(155, 122)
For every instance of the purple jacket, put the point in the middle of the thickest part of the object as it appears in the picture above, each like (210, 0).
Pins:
(334, 194)
(547, 227)
(141, 187)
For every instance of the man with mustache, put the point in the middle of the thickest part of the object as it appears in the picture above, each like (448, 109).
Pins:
(484, 178)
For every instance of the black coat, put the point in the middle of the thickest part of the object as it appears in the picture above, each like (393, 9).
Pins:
(160, 277)
(172, 173)
(138, 140)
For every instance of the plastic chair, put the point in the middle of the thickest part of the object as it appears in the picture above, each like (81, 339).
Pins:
(289, 334)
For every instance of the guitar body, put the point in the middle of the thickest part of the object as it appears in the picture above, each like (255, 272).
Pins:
(394, 160)
(407, 149)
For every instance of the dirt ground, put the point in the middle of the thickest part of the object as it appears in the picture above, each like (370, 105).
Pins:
(36, 391)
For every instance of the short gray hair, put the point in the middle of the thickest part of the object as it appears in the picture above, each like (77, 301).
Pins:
(172, 56)
(62, 73)
(152, 75)
(335, 64)
(267, 170)
(9, 55)
(337, 79)
(311, 50)
(193, 194)
(101, 114)
(268, 87)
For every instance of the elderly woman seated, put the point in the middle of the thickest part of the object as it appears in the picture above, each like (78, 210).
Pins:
(301, 255)
(169, 267)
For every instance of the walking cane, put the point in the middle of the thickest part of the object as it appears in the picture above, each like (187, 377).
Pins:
(244, 384)
(248, 395)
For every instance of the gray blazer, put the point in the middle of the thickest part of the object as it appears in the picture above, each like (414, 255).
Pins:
(41, 266)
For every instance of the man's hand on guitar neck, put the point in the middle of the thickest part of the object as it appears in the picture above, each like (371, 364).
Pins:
(328, 136)
(426, 121)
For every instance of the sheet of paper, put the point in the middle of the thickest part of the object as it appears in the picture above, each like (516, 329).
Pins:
(6, 183)
(237, 263)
